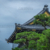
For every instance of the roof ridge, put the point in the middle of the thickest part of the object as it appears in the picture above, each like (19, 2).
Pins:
(42, 11)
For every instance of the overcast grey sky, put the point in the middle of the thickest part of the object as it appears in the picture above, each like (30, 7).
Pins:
(16, 11)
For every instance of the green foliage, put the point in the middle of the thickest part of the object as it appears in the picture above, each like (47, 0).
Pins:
(33, 36)
(42, 43)
(35, 40)
(42, 19)
(47, 33)
(32, 44)
(25, 33)
(20, 40)
(39, 41)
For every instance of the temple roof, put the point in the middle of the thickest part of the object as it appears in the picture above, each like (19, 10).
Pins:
(45, 9)
(26, 26)
(37, 27)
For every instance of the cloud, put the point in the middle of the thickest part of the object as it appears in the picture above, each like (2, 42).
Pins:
(5, 46)
(16, 11)
(5, 33)
(10, 10)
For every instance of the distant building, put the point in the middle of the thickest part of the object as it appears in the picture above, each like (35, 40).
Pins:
(28, 26)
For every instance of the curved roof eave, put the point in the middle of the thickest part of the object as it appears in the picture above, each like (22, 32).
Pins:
(37, 27)
(41, 12)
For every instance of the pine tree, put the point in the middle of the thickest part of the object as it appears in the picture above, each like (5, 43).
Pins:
(34, 40)
(42, 19)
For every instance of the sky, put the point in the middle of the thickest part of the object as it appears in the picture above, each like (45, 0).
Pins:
(16, 11)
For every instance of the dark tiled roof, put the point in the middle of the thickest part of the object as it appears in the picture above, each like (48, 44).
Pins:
(41, 12)
(37, 27)
(25, 26)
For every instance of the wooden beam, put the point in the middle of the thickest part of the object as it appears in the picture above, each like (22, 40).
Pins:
(18, 28)
(33, 29)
